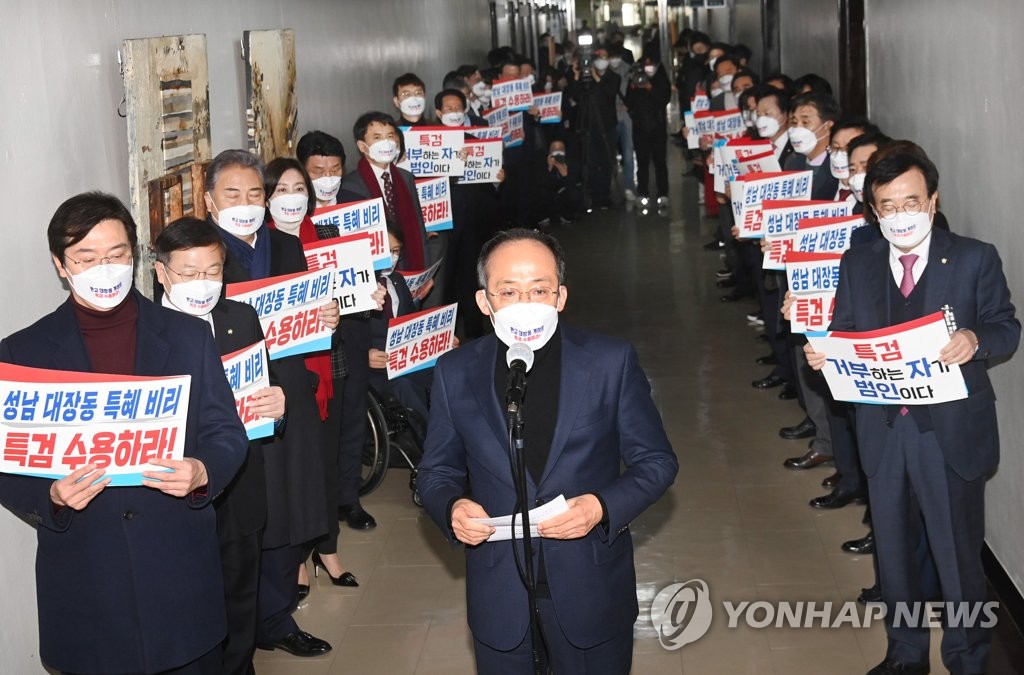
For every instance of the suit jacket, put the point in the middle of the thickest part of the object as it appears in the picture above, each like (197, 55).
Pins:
(353, 188)
(967, 275)
(406, 305)
(132, 582)
(823, 183)
(242, 507)
(605, 417)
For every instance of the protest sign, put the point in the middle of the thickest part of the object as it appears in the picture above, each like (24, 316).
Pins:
(764, 162)
(705, 122)
(484, 132)
(700, 103)
(415, 341)
(516, 132)
(55, 422)
(812, 272)
(811, 312)
(435, 203)
(512, 94)
(692, 135)
(483, 161)
(728, 123)
(354, 279)
(898, 365)
(550, 106)
(417, 280)
(433, 151)
(813, 235)
(498, 117)
(363, 216)
(756, 188)
(289, 310)
(247, 374)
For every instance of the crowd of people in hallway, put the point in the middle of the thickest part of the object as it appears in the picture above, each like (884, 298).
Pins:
(919, 469)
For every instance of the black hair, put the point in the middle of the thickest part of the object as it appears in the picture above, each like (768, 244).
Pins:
(397, 233)
(891, 162)
(74, 219)
(455, 82)
(698, 36)
(368, 118)
(227, 159)
(318, 143)
(744, 72)
(782, 97)
(406, 80)
(878, 139)
(742, 52)
(466, 70)
(724, 46)
(817, 83)
(726, 59)
(272, 176)
(828, 109)
(439, 99)
(854, 122)
(526, 61)
(787, 81)
(519, 234)
(185, 234)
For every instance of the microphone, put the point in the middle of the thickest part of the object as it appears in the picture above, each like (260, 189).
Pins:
(520, 360)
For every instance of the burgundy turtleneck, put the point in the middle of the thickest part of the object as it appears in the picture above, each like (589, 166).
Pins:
(109, 335)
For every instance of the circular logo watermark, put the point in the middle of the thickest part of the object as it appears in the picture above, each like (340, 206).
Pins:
(681, 613)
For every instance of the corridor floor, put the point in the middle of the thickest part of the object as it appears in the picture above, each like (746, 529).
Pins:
(735, 517)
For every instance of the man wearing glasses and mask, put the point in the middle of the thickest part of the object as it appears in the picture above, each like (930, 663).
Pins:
(927, 464)
(587, 411)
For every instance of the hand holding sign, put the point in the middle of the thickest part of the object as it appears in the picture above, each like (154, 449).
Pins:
(815, 360)
(78, 488)
(185, 476)
(268, 403)
(330, 314)
(961, 348)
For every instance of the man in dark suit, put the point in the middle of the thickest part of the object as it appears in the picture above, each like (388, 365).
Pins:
(588, 409)
(190, 268)
(128, 578)
(927, 464)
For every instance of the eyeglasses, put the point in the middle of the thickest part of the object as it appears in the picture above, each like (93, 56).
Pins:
(507, 296)
(911, 207)
(414, 92)
(213, 272)
(119, 259)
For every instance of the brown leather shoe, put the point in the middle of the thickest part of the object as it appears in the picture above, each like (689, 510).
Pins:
(810, 460)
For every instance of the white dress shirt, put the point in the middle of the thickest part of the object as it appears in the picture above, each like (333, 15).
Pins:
(208, 318)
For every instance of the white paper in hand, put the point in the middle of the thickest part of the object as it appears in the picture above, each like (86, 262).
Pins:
(503, 524)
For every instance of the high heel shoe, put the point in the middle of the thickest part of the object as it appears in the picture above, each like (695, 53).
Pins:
(346, 578)
(304, 590)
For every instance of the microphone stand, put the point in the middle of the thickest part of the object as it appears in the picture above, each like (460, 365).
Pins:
(514, 418)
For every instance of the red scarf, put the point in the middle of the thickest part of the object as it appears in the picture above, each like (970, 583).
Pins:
(320, 364)
(408, 217)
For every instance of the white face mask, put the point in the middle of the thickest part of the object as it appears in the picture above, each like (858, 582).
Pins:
(767, 127)
(803, 139)
(715, 91)
(601, 64)
(725, 81)
(532, 323)
(906, 231)
(711, 63)
(480, 89)
(557, 153)
(486, 97)
(394, 264)
(839, 164)
(103, 286)
(615, 62)
(414, 105)
(548, 86)
(289, 210)
(326, 187)
(650, 70)
(384, 152)
(241, 221)
(531, 78)
(857, 185)
(453, 119)
(197, 297)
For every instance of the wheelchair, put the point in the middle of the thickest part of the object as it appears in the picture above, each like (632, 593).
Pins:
(394, 438)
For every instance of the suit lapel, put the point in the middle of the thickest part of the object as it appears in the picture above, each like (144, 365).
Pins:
(68, 351)
(940, 271)
(151, 349)
(481, 378)
(879, 281)
(576, 368)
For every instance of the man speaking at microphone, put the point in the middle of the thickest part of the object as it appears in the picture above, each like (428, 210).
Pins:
(591, 433)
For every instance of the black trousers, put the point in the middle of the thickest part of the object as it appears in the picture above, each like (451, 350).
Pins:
(356, 334)
(279, 593)
(650, 147)
(207, 664)
(240, 562)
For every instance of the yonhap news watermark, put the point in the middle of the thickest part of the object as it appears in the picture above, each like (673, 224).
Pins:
(682, 613)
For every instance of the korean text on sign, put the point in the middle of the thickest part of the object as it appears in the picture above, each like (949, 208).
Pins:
(893, 366)
(758, 188)
(484, 132)
(247, 373)
(813, 235)
(55, 422)
(498, 117)
(483, 161)
(512, 94)
(289, 310)
(435, 203)
(415, 341)
(812, 272)
(550, 106)
(516, 131)
(781, 219)
(363, 216)
(417, 280)
(355, 280)
(433, 151)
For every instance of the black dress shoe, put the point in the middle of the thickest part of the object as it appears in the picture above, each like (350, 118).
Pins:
(894, 667)
(768, 360)
(299, 643)
(728, 282)
(832, 481)
(837, 499)
(713, 245)
(863, 546)
(769, 382)
(761, 337)
(356, 517)
(869, 595)
(809, 460)
(788, 392)
(733, 297)
(805, 429)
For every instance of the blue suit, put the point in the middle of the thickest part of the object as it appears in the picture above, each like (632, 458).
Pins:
(926, 471)
(132, 582)
(605, 417)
